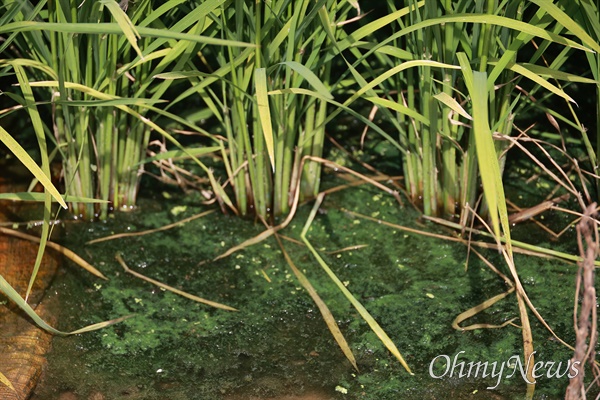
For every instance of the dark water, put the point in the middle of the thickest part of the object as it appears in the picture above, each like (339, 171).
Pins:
(277, 345)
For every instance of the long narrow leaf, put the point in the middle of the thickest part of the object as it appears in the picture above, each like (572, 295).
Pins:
(325, 312)
(22, 304)
(484, 144)
(39, 197)
(124, 23)
(31, 166)
(383, 336)
(264, 111)
(115, 29)
(567, 22)
(399, 108)
(310, 77)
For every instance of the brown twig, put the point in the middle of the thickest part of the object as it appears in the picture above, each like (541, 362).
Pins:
(58, 248)
(586, 333)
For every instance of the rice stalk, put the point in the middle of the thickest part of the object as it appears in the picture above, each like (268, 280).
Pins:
(105, 49)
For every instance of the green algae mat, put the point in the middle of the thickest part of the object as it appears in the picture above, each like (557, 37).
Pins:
(277, 345)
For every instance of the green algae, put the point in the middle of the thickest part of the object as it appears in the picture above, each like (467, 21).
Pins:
(277, 343)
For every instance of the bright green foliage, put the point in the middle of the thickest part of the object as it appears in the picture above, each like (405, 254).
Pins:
(292, 44)
(106, 69)
(96, 62)
(587, 14)
(270, 125)
(431, 103)
(448, 76)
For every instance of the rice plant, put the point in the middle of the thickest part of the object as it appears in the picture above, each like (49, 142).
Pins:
(95, 62)
(587, 14)
(449, 71)
(425, 88)
(271, 100)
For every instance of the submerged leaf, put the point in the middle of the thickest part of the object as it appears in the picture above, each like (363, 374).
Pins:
(479, 308)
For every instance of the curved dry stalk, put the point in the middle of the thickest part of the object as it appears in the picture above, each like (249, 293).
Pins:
(58, 248)
(522, 296)
(295, 202)
(491, 266)
(170, 288)
(349, 248)
(359, 182)
(367, 179)
(528, 213)
(325, 312)
(250, 242)
(479, 308)
(379, 175)
(523, 299)
(149, 231)
(523, 137)
(518, 246)
(528, 249)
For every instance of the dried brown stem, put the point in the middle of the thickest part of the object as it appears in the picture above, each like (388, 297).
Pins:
(586, 333)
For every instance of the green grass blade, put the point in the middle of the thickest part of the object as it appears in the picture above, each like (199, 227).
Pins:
(381, 334)
(38, 128)
(310, 77)
(31, 166)
(102, 96)
(396, 70)
(183, 75)
(497, 20)
(179, 154)
(264, 111)
(115, 29)
(399, 108)
(519, 69)
(376, 25)
(557, 74)
(39, 197)
(108, 103)
(341, 107)
(124, 23)
(23, 62)
(568, 23)
(451, 102)
(22, 304)
(484, 144)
